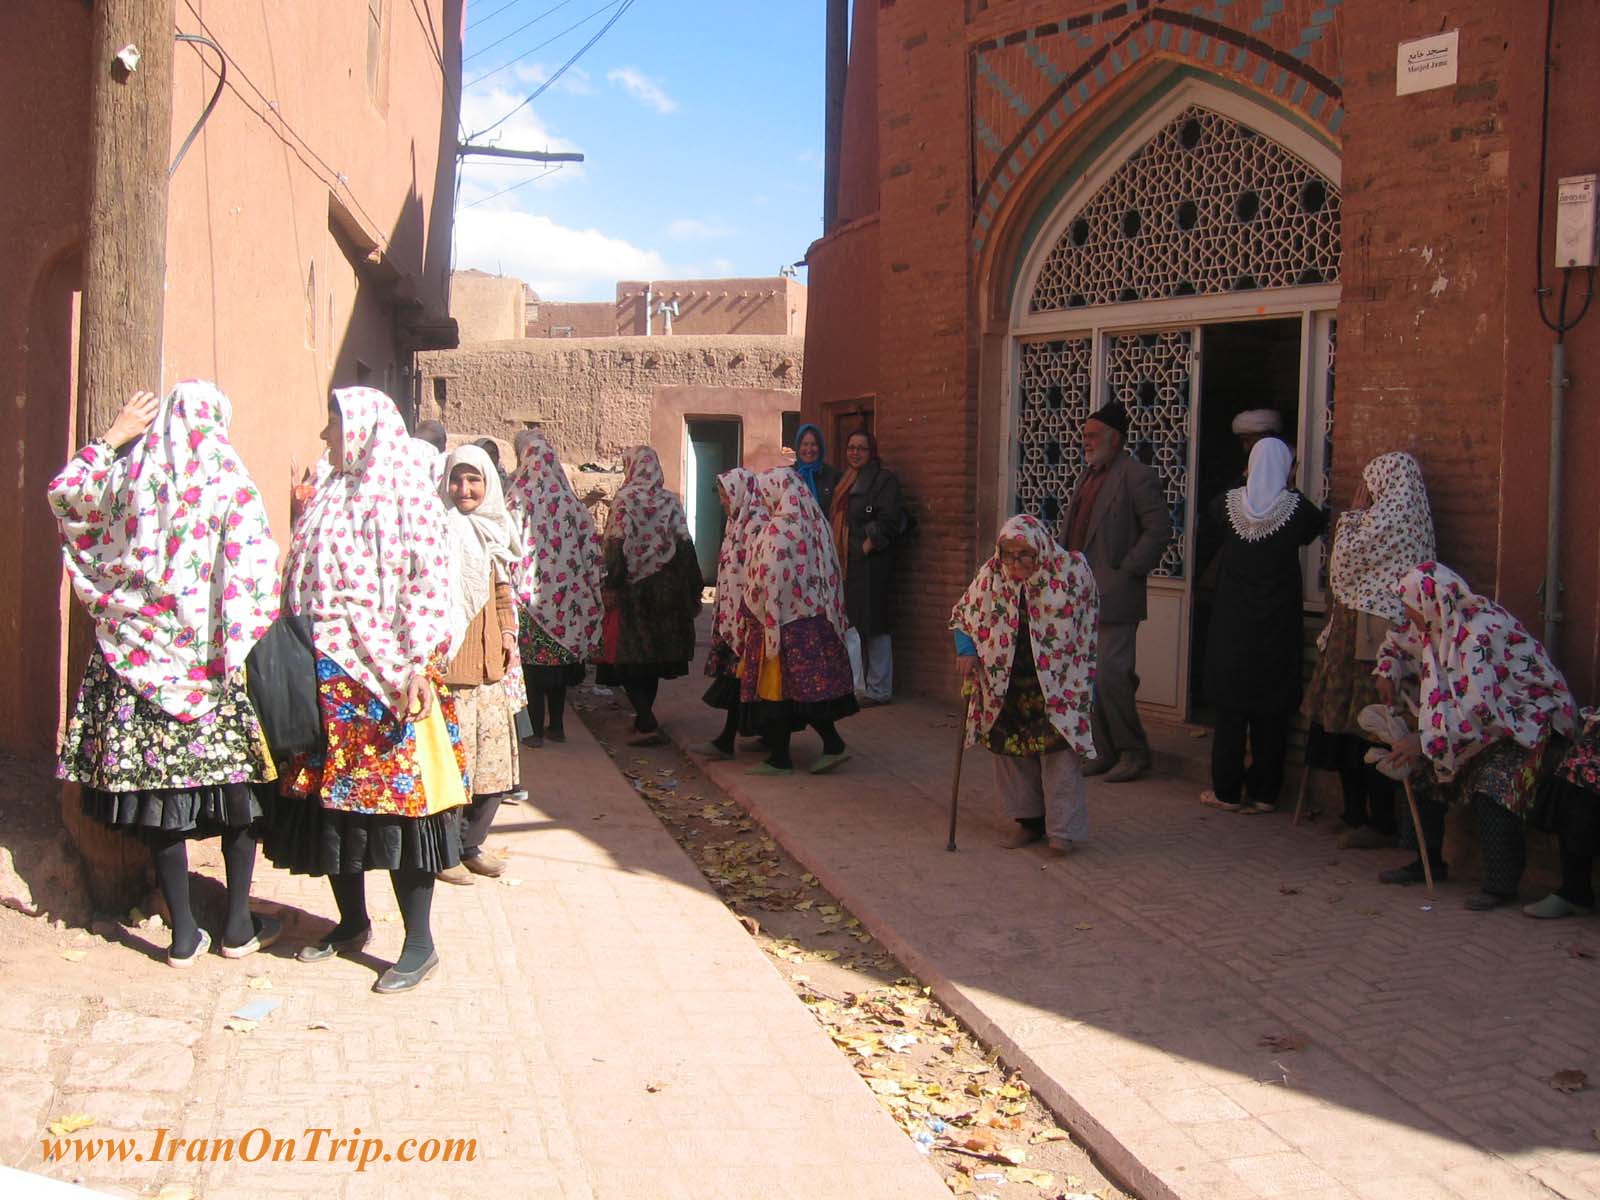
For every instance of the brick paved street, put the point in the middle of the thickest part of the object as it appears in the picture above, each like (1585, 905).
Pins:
(601, 1024)
(1135, 981)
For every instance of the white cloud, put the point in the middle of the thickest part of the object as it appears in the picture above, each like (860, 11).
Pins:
(557, 262)
(575, 81)
(722, 266)
(644, 89)
(686, 229)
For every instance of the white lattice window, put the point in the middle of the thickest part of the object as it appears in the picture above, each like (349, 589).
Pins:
(1053, 399)
(1207, 206)
(1149, 373)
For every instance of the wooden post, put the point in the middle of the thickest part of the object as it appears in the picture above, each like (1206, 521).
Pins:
(124, 285)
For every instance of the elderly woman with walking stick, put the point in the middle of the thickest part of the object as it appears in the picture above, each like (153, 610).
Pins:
(1025, 643)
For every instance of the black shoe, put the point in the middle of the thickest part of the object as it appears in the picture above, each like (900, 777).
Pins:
(555, 735)
(1412, 873)
(533, 741)
(318, 951)
(393, 980)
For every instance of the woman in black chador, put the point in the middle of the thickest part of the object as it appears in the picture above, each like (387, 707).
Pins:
(1252, 674)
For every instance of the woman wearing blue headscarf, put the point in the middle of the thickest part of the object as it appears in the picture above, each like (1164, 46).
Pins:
(820, 479)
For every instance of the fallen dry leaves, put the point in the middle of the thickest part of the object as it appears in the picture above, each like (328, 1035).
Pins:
(62, 1126)
(1282, 1043)
(1569, 1081)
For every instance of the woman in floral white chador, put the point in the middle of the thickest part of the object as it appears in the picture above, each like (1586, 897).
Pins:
(1025, 633)
(166, 540)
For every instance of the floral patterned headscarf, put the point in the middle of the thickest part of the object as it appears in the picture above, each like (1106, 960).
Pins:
(562, 568)
(369, 562)
(646, 516)
(747, 512)
(1374, 547)
(169, 550)
(1483, 676)
(793, 570)
(1063, 614)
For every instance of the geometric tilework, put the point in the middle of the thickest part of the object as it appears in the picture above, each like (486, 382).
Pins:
(1032, 84)
(1206, 206)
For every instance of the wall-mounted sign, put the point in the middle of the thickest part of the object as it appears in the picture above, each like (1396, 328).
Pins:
(1427, 63)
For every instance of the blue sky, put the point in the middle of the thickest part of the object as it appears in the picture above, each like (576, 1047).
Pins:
(702, 126)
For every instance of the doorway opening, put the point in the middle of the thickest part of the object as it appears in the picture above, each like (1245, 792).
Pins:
(713, 447)
(1244, 365)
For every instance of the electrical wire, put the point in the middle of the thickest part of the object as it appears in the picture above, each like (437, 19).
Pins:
(491, 16)
(562, 70)
(512, 188)
(334, 178)
(548, 41)
(517, 30)
(205, 115)
(1560, 326)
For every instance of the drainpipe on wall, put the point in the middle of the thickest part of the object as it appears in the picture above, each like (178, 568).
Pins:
(837, 68)
(648, 293)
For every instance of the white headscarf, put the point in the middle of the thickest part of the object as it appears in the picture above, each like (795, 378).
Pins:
(747, 512)
(479, 540)
(562, 570)
(1374, 547)
(1483, 676)
(1063, 616)
(369, 563)
(1265, 503)
(169, 551)
(793, 569)
(646, 516)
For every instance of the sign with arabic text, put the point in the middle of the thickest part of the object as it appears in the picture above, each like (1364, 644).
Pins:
(1427, 63)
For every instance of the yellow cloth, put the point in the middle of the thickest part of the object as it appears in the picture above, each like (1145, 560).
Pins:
(769, 683)
(436, 762)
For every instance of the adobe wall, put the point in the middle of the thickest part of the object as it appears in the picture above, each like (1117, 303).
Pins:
(487, 308)
(554, 319)
(595, 395)
(760, 414)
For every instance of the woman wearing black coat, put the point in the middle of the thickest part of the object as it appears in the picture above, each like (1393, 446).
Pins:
(866, 520)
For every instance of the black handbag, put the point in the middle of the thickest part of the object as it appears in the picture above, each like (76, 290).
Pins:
(281, 675)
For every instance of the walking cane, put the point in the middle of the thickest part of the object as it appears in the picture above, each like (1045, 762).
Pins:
(1422, 842)
(961, 749)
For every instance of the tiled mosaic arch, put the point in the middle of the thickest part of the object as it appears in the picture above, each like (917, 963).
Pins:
(1207, 206)
(1030, 84)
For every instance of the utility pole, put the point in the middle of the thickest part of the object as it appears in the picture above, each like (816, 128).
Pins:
(124, 287)
(836, 68)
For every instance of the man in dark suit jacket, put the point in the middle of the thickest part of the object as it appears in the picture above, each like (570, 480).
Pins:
(1118, 518)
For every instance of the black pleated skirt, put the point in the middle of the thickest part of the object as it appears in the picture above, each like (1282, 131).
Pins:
(541, 678)
(622, 674)
(200, 812)
(305, 838)
(770, 714)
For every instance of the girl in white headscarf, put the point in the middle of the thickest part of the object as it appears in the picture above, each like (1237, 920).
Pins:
(740, 494)
(793, 667)
(557, 583)
(652, 587)
(1251, 672)
(485, 554)
(1026, 634)
(1387, 531)
(168, 550)
(370, 566)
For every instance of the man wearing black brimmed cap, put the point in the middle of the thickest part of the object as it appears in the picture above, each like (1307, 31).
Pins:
(1118, 519)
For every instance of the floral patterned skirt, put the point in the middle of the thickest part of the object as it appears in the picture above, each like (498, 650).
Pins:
(117, 741)
(813, 670)
(1341, 685)
(383, 795)
(546, 663)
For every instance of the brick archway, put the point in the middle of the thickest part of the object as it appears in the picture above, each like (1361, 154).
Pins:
(1032, 88)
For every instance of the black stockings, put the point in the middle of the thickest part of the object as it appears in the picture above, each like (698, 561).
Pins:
(413, 891)
(171, 854)
(643, 698)
(778, 738)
